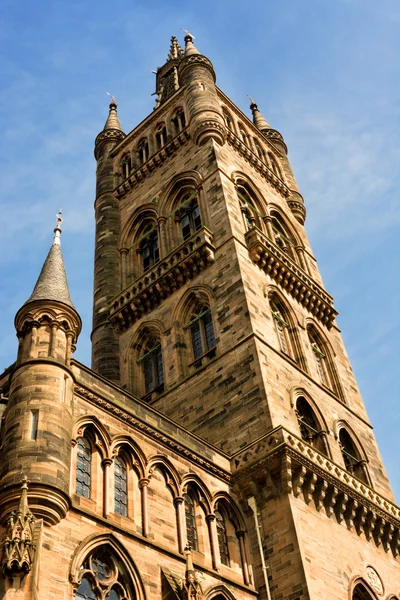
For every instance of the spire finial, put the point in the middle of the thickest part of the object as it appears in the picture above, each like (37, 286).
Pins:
(112, 119)
(57, 229)
(190, 47)
(258, 119)
(113, 100)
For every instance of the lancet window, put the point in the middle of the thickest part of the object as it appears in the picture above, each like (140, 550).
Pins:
(148, 248)
(282, 328)
(222, 538)
(250, 215)
(260, 151)
(189, 215)
(178, 121)
(361, 593)
(84, 467)
(283, 238)
(120, 487)
(351, 457)
(320, 359)
(161, 136)
(228, 120)
(310, 429)
(126, 166)
(190, 517)
(273, 163)
(143, 151)
(152, 365)
(201, 331)
(243, 135)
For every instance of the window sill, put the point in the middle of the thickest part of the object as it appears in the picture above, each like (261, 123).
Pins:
(209, 355)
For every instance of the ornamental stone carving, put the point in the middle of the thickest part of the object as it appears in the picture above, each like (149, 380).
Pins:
(374, 580)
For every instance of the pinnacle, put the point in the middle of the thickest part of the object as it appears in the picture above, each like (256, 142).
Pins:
(258, 120)
(175, 51)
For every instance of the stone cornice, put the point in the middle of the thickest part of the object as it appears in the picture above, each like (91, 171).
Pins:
(304, 471)
(235, 142)
(152, 164)
(161, 280)
(290, 276)
(152, 432)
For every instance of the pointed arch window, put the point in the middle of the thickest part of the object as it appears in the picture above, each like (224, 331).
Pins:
(320, 359)
(273, 163)
(222, 538)
(250, 215)
(189, 215)
(228, 120)
(310, 429)
(161, 136)
(149, 249)
(84, 467)
(260, 151)
(360, 593)
(351, 457)
(178, 121)
(102, 578)
(282, 327)
(190, 517)
(201, 331)
(126, 166)
(243, 135)
(120, 487)
(143, 151)
(283, 238)
(152, 365)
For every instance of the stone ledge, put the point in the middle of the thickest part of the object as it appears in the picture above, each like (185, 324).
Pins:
(290, 276)
(164, 278)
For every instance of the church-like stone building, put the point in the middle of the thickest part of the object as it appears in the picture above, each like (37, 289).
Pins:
(218, 448)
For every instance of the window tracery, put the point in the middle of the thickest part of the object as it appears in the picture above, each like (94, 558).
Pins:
(353, 462)
(190, 517)
(310, 429)
(83, 467)
(120, 487)
(148, 248)
(152, 365)
(178, 121)
(201, 331)
(101, 579)
(222, 538)
(273, 163)
(189, 215)
(250, 214)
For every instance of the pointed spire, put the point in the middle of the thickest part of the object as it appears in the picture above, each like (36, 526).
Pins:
(258, 119)
(190, 48)
(23, 508)
(112, 119)
(175, 50)
(52, 282)
(192, 588)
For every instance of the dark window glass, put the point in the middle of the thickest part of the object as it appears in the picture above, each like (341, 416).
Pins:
(153, 366)
(85, 591)
(149, 250)
(281, 329)
(222, 539)
(307, 423)
(120, 487)
(202, 332)
(190, 220)
(113, 595)
(83, 468)
(190, 515)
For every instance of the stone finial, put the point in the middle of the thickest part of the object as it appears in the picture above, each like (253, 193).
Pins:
(175, 51)
(57, 229)
(18, 547)
(258, 119)
(191, 587)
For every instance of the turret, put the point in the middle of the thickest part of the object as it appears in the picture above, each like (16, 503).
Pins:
(197, 74)
(295, 200)
(105, 347)
(38, 417)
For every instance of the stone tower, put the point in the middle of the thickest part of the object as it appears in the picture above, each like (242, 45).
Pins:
(219, 448)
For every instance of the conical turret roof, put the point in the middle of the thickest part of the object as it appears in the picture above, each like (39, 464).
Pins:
(190, 48)
(259, 121)
(52, 282)
(112, 119)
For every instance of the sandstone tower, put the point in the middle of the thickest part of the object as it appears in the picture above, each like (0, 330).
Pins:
(219, 446)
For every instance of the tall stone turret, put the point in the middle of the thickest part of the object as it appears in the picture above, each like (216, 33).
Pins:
(38, 417)
(197, 74)
(105, 347)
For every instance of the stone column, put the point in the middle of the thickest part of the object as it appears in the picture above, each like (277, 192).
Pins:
(212, 531)
(143, 483)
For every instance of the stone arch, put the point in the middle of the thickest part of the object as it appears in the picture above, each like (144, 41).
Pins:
(231, 507)
(170, 473)
(117, 549)
(360, 590)
(316, 335)
(178, 119)
(131, 230)
(100, 435)
(319, 439)
(361, 472)
(131, 448)
(151, 329)
(240, 179)
(199, 293)
(189, 178)
(193, 480)
(219, 592)
(286, 325)
(229, 119)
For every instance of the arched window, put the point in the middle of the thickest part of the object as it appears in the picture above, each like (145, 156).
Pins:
(320, 359)
(243, 135)
(260, 151)
(143, 151)
(360, 592)
(84, 467)
(126, 166)
(273, 163)
(189, 215)
(190, 517)
(178, 121)
(222, 538)
(152, 365)
(282, 328)
(283, 238)
(228, 120)
(161, 136)
(102, 578)
(351, 457)
(148, 248)
(120, 487)
(201, 331)
(310, 429)
(250, 214)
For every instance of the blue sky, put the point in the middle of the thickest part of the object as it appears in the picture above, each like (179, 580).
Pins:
(323, 73)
